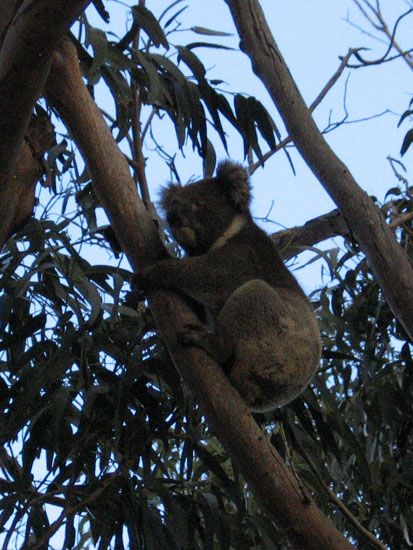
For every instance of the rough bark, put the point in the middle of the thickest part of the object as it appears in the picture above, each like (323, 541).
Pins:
(25, 54)
(8, 9)
(29, 168)
(272, 482)
(387, 260)
(291, 241)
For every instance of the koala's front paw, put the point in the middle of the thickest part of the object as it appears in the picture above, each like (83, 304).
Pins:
(193, 335)
(140, 281)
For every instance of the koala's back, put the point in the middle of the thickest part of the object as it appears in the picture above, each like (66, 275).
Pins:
(266, 327)
(274, 343)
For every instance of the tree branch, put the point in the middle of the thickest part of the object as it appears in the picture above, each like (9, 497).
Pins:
(28, 170)
(387, 260)
(8, 9)
(275, 487)
(290, 241)
(25, 56)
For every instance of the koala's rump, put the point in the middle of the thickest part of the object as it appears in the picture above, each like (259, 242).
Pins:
(275, 343)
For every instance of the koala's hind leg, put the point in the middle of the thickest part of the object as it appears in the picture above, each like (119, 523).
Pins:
(275, 341)
(210, 342)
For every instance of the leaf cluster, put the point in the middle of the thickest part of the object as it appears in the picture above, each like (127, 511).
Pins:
(188, 98)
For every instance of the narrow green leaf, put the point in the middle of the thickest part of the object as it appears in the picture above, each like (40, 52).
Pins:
(209, 161)
(174, 16)
(246, 124)
(209, 32)
(408, 138)
(97, 39)
(148, 22)
(194, 45)
(264, 122)
(192, 61)
(404, 116)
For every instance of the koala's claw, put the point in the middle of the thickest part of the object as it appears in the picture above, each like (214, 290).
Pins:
(183, 339)
(191, 336)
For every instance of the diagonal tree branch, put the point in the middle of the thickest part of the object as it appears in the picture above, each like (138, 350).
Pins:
(25, 56)
(8, 9)
(388, 261)
(274, 485)
(290, 241)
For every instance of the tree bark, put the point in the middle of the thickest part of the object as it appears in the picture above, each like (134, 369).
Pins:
(25, 54)
(274, 485)
(291, 241)
(29, 168)
(387, 260)
(8, 9)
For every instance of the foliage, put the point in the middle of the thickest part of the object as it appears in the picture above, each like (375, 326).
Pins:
(361, 404)
(96, 422)
(408, 138)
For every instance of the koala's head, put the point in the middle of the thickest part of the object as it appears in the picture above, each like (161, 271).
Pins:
(199, 213)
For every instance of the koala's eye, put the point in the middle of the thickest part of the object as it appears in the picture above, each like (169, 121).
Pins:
(199, 203)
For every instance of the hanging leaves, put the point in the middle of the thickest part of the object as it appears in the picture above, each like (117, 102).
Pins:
(148, 22)
(408, 138)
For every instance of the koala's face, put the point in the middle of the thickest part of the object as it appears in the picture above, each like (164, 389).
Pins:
(197, 214)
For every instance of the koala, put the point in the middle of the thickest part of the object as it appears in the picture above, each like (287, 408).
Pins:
(263, 332)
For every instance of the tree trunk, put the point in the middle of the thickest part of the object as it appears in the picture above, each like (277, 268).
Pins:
(25, 54)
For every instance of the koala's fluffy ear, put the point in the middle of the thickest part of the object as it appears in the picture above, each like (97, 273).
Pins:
(167, 195)
(235, 180)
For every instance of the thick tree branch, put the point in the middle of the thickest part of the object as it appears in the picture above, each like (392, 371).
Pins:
(29, 168)
(290, 242)
(110, 175)
(8, 9)
(25, 56)
(329, 225)
(274, 485)
(388, 261)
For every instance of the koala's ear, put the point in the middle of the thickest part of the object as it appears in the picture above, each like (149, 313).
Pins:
(167, 195)
(235, 180)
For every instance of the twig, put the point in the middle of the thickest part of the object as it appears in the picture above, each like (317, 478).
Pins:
(137, 154)
(401, 220)
(398, 175)
(333, 79)
(314, 105)
(381, 26)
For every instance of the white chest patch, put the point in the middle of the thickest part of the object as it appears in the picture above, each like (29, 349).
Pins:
(234, 227)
